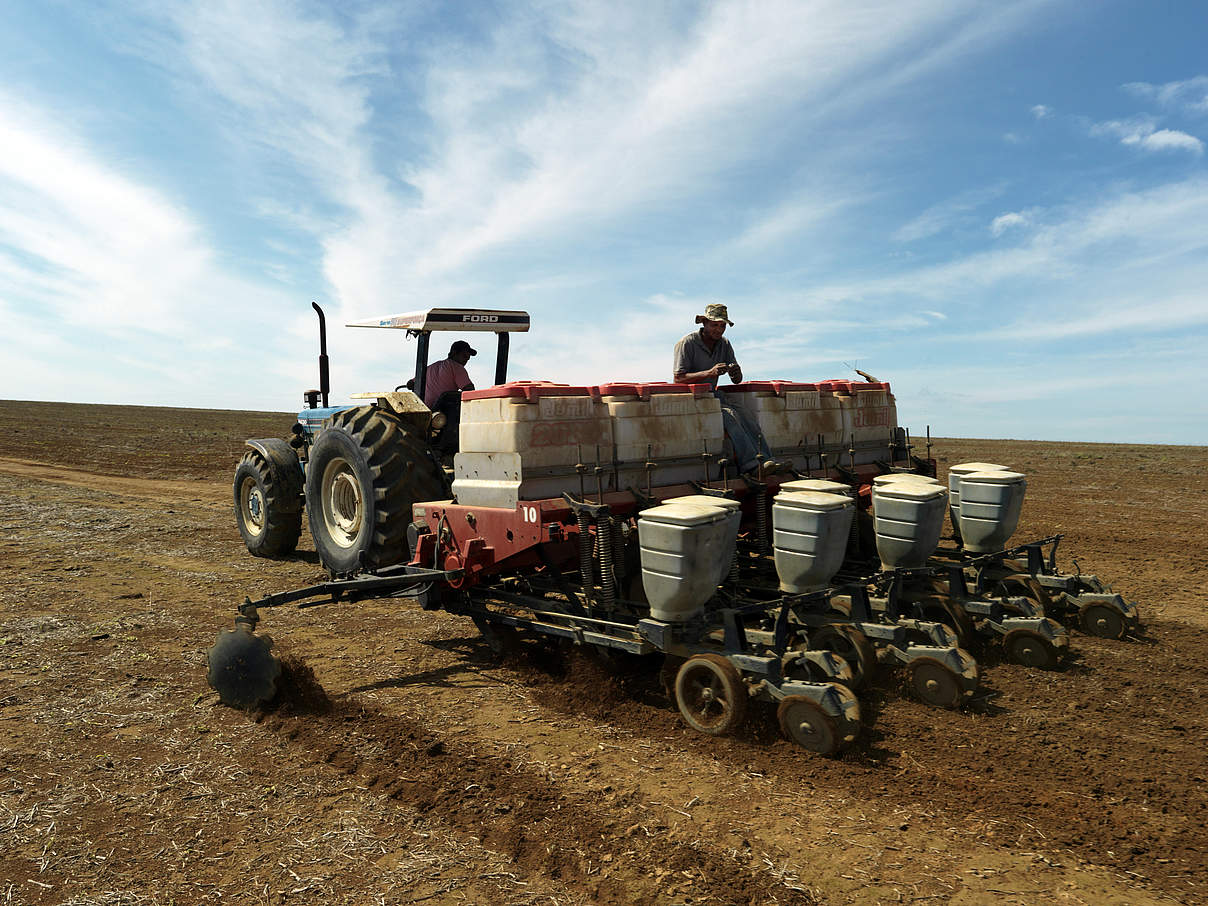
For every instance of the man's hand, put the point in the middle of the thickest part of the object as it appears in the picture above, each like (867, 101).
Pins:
(736, 374)
(700, 377)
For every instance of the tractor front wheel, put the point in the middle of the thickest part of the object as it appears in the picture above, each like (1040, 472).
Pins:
(366, 469)
(270, 524)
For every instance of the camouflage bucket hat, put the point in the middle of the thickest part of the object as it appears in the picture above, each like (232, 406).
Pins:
(714, 312)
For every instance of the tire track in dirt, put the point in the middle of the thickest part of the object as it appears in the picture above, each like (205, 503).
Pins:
(206, 494)
(1080, 762)
(595, 845)
(1047, 764)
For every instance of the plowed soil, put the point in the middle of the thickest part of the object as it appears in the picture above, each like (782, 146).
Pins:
(405, 763)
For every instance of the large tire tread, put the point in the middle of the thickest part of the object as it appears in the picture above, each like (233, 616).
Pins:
(282, 529)
(403, 472)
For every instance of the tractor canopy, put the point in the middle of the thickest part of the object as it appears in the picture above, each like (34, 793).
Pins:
(429, 319)
(420, 325)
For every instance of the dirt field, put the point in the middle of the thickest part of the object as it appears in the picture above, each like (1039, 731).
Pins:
(415, 767)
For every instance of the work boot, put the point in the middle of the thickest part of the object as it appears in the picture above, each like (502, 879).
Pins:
(774, 467)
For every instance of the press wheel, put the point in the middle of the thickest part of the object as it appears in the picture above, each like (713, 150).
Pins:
(806, 724)
(710, 694)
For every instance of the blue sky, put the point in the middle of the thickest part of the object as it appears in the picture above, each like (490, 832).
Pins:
(1001, 208)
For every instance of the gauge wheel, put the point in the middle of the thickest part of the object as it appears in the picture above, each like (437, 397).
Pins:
(935, 684)
(1031, 649)
(1103, 621)
(807, 670)
(710, 694)
(1024, 586)
(951, 614)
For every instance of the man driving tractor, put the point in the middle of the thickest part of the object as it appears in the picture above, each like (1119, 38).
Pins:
(443, 383)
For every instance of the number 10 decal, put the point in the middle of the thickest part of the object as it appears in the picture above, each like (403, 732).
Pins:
(529, 513)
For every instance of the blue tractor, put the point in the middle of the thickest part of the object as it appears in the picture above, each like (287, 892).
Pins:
(356, 469)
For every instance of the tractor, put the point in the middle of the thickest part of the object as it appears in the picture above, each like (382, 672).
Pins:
(356, 470)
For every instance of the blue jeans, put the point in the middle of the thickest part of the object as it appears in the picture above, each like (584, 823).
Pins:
(745, 437)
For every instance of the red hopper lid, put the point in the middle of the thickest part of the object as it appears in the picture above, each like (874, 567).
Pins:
(643, 389)
(527, 390)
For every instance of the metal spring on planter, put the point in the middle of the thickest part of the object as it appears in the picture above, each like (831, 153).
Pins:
(761, 517)
(734, 570)
(608, 579)
(585, 570)
(853, 534)
(618, 552)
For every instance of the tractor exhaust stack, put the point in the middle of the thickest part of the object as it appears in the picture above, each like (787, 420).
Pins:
(324, 379)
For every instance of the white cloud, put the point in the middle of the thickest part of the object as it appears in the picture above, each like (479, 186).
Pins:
(805, 211)
(115, 251)
(303, 78)
(940, 217)
(1155, 238)
(633, 131)
(1154, 312)
(1142, 132)
(1172, 139)
(101, 272)
(1189, 95)
(1129, 131)
(630, 111)
(1004, 222)
(538, 133)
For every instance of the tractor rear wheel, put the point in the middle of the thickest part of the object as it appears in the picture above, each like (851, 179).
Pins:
(267, 530)
(366, 469)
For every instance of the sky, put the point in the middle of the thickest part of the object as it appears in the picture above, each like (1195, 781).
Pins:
(999, 207)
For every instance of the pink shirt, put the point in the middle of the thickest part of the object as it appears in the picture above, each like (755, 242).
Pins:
(441, 376)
